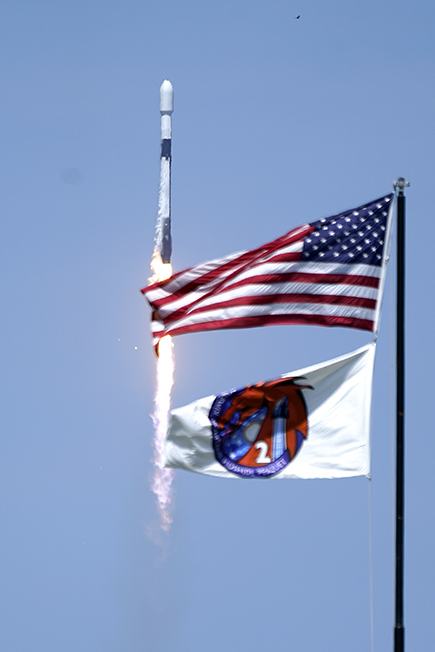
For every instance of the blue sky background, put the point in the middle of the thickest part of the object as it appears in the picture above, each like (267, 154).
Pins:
(277, 122)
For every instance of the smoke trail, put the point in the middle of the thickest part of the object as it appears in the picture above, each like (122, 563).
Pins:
(162, 479)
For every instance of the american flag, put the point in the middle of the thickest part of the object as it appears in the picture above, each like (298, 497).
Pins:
(328, 272)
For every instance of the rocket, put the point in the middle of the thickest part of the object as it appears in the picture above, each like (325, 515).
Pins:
(163, 228)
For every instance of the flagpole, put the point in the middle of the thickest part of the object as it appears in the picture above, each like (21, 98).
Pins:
(399, 627)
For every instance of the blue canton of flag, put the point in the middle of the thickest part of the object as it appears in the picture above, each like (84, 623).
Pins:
(356, 236)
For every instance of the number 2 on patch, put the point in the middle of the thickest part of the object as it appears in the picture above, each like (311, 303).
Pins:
(262, 458)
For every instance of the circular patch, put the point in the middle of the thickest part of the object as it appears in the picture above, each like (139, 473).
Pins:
(258, 430)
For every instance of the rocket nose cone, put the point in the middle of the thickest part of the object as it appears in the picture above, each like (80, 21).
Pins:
(166, 97)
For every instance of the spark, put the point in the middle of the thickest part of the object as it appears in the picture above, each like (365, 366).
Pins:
(162, 478)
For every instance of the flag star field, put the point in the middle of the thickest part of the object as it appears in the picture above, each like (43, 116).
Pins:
(350, 237)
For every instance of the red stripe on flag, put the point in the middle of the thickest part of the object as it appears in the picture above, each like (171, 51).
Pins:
(305, 277)
(269, 320)
(282, 277)
(259, 300)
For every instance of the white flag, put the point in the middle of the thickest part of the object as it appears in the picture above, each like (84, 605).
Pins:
(310, 423)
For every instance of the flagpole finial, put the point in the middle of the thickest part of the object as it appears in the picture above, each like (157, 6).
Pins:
(400, 184)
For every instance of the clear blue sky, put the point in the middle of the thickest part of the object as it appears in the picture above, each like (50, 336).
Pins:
(277, 121)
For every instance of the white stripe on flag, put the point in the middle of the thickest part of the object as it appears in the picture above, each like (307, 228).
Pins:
(258, 289)
(242, 312)
(309, 268)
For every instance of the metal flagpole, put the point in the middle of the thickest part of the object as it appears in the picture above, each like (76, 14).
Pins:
(399, 627)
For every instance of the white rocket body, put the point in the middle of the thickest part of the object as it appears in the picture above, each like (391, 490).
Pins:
(163, 229)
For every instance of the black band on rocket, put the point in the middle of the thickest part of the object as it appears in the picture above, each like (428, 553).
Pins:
(166, 148)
